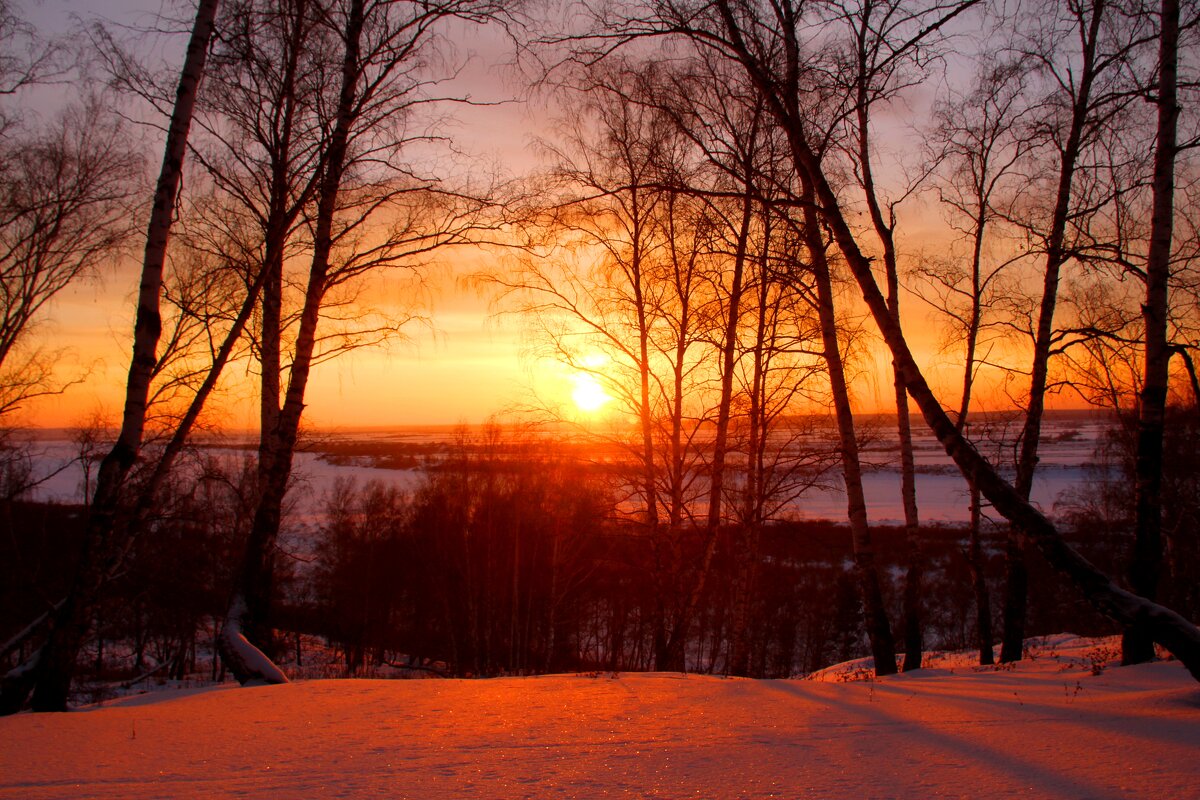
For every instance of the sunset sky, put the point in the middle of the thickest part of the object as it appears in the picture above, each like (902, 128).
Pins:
(465, 366)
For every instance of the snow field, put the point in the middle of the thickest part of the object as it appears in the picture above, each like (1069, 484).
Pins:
(1048, 728)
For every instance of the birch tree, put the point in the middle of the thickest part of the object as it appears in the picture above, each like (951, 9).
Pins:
(380, 83)
(1145, 571)
(875, 74)
(48, 672)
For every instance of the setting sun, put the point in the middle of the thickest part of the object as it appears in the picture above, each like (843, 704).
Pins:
(588, 394)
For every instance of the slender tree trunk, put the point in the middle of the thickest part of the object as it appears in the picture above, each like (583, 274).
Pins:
(672, 656)
(677, 473)
(729, 340)
(270, 343)
(721, 435)
(664, 569)
(645, 411)
(1016, 597)
(913, 637)
(50, 674)
(752, 500)
(879, 630)
(975, 558)
(1138, 643)
(757, 423)
(983, 601)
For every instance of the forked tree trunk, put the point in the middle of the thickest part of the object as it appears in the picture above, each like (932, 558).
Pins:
(51, 669)
(248, 620)
(255, 603)
(1138, 644)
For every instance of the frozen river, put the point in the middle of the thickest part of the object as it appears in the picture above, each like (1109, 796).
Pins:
(941, 497)
(1068, 447)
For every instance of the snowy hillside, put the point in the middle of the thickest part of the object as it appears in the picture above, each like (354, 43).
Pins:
(1050, 728)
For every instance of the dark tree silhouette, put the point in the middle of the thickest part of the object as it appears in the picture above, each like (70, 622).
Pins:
(48, 672)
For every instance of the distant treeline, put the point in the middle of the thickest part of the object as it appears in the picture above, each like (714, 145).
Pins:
(513, 560)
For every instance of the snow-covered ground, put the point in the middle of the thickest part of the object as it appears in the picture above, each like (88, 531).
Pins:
(1048, 728)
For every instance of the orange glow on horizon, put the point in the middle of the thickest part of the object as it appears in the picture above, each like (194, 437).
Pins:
(472, 369)
(469, 372)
